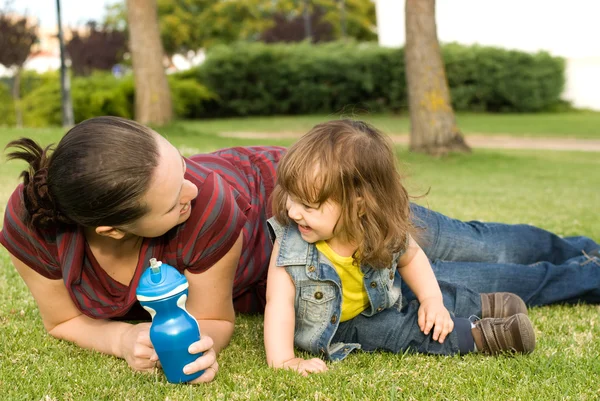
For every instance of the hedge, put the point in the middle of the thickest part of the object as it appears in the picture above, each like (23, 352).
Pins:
(261, 79)
(102, 94)
(7, 107)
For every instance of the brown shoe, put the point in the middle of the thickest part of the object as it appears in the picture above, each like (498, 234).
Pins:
(501, 304)
(510, 334)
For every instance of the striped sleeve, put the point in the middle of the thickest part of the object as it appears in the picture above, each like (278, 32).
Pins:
(218, 216)
(37, 250)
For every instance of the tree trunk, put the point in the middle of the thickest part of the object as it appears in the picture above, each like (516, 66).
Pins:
(16, 95)
(152, 94)
(433, 124)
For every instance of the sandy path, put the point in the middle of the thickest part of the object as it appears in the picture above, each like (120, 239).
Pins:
(474, 140)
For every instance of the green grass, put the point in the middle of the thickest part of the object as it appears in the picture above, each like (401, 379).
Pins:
(559, 191)
(583, 125)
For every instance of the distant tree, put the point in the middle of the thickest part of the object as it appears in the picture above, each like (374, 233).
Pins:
(115, 16)
(17, 35)
(433, 127)
(350, 18)
(99, 48)
(293, 29)
(229, 21)
(153, 104)
(178, 30)
(328, 20)
(189, 25)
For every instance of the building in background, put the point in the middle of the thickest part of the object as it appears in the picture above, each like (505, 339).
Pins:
(566, 29)
(45, 53)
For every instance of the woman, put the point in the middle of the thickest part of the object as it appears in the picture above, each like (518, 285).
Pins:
(89, 215)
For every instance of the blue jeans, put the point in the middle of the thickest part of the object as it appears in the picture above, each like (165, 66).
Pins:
(539, 266)
(398, 331)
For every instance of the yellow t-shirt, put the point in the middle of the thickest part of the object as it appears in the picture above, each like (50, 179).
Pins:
(354, 296)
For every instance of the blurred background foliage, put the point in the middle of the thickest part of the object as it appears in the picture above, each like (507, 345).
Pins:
(259, 61)
(243, 78)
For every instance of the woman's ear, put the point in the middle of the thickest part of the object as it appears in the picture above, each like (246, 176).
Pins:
(108, 231)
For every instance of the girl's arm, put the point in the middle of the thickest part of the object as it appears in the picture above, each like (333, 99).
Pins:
(416, 271)
(280, 322)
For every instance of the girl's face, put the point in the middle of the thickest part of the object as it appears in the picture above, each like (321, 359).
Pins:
(169, 196)
(315, 222)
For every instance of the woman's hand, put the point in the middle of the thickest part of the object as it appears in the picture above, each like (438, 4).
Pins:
(141, 356)
(432, 313)
(305, 366)
(207, 362)
(137, 349)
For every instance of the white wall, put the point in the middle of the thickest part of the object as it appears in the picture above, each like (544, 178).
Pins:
(569, 29)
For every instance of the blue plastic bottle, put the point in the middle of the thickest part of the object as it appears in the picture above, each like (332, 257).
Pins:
(163, 292)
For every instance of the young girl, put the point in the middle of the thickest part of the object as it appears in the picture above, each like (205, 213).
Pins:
(344, 243)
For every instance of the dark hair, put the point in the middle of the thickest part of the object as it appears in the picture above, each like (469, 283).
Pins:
(353, 164)
(96, 176)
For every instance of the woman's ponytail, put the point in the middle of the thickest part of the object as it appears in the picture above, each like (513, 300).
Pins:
(41, 209)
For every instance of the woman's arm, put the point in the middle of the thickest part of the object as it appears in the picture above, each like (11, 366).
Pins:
(280, 322)
(416, 271)
(211, 297)
(210, 301)
(64, 321)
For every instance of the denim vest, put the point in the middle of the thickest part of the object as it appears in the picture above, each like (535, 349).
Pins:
(318, 300)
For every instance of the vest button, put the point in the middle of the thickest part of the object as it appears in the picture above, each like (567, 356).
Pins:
(311, 268)
(373, 284)
(391, 275)
(379, 309)
(318, 295)
(333, 319)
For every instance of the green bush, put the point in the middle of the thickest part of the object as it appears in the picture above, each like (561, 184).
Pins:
(339, 77)
(7, 106)
(104, 94)
(42, 106)
(99, 94)
(30, 81)
(498, 80)
(251, 79)
(260, 79)
(190, 98)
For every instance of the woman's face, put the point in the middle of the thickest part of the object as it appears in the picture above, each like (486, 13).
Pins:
(169, 196)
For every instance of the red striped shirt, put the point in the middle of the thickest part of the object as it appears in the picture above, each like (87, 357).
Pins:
(234, 186)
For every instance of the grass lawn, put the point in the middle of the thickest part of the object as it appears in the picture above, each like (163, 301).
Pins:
(583, 125)
(559, 191)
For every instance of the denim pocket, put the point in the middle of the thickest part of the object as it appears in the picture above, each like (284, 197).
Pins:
(315, 303)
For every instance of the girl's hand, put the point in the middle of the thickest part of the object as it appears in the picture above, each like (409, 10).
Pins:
(304, 367)
(432, 313)
(137, 349)
(207, 362)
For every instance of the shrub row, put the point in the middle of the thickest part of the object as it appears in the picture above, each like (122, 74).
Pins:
(259, 79)
(99, 94)
(252, 79)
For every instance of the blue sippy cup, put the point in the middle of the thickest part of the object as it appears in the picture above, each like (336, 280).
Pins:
(163, 292)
